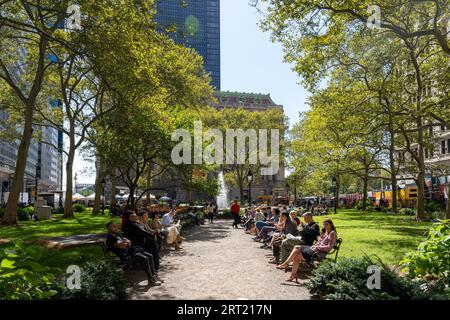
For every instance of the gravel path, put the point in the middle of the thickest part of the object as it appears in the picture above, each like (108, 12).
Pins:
(218, 262)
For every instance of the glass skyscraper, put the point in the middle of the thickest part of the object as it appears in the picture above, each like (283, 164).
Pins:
(195, 23)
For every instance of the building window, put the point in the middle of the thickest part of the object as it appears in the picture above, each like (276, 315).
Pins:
(443, 147)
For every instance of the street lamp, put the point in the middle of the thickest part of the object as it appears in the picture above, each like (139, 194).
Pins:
(334, 187)
(103, 195)
(249, 180)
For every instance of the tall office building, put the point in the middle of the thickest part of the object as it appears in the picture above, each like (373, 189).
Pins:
(197, 25)
(43, 164)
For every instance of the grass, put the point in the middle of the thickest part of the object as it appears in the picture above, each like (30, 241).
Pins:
(387, 236)
(59, 259)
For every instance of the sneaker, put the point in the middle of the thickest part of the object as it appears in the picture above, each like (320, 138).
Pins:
(264, 246)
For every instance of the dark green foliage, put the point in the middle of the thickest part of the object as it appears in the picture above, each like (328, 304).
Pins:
(78, 208)
(359, 204)
(408, 211)
(99, 281)
(432, 207)
(347, 279)
(25, 213)
(22, 277)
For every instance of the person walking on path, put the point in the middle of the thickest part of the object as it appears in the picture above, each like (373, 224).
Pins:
(235, 212)
(210, 212)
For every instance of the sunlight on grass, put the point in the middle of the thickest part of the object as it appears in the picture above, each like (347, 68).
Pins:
(373, 233)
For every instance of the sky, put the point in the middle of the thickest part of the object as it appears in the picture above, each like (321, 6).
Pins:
(250, 62)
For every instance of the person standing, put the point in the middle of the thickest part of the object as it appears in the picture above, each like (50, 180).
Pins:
(235, 212)
(210, 212)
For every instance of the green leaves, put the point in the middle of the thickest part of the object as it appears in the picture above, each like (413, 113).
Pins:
(7, 264)
(22, 277)
(432, 257)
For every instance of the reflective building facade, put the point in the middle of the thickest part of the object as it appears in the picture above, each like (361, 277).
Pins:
(196, 24)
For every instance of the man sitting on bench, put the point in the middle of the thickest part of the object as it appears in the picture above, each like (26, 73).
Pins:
(308, 234)
(123, 248)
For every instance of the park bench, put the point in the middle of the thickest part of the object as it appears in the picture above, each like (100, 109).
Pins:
(114, 259)
(316, 260)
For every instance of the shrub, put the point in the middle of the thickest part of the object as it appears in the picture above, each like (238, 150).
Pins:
(359, 204)
(2, 212)
(432, 207)
(347, 279)
(99, 281)
(408, 211)
(22, 277)
(431, 260)
(25, 213)
(78, 208)
(226, 213)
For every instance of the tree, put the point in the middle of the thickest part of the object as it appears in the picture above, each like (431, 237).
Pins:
(314, 34)
(240, 126)
(25, 34)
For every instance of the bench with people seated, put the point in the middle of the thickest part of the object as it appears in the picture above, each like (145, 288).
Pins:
(317, 259)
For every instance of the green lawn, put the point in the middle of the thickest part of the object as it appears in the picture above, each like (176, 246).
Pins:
(59, 260)
(385, 235)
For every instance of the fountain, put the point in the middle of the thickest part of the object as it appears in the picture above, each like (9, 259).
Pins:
(222, 198)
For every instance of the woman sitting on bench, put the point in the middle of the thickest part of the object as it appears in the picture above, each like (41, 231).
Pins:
(324, 245)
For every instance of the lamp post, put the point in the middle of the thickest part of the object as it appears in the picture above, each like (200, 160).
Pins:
(250, 180)
(103, 196)
(334, 187)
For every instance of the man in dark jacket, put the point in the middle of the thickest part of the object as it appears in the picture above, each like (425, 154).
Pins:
(124, 249)
(141, 237)
(308, 235)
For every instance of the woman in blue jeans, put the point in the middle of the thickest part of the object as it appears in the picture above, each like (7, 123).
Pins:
(265, 227)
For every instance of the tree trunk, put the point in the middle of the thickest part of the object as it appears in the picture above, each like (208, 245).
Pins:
(131, 199)
(241, 194)
(365, 187)
(98, 194)
(68, 205)
(10, 217)
(393, 168)
(149, 182)
(421, 175)
(113, 189)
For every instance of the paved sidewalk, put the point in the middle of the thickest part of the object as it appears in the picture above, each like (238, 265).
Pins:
(219, 262)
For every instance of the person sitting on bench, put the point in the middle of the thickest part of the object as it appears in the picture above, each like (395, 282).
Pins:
(173, 230)
(150, 240)
(156, 227)
(309, 231)
(123, 248)
(324, 245)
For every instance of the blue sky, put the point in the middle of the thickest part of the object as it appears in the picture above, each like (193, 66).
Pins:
(250, 62)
